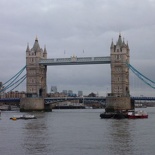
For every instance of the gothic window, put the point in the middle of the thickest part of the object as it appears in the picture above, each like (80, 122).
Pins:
(118, 69)
(117, 57)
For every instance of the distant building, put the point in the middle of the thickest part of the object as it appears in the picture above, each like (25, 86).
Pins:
(53, 89)
(92, 95)
(15, 94)
(70, 92)
(56, 94)
(65, 92)
(0, 85)
(80, 93)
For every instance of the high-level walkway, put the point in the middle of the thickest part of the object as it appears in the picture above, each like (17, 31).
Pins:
(75, 61)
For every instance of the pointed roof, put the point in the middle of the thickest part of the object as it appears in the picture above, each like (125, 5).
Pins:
(45, 49)
(127, 45)
(112, 44)
(119, 42)
(123, 43)
(28, 49)
(36, 45)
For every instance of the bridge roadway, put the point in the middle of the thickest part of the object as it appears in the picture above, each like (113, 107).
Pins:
(100, 99)
(60, 99)
(75, 61)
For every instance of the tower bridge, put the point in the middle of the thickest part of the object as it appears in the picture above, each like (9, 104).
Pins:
(36, 68)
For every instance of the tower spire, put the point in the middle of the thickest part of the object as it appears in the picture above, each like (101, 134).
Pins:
(36, 38)
(45, 51)
(123, 43)
(112, 44)
(27, 49)
(119, 42)
(36, 46)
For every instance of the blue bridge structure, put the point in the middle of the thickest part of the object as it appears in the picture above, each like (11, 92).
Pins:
(54, 100)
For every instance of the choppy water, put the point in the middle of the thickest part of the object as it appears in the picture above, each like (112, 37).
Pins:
(76, 132)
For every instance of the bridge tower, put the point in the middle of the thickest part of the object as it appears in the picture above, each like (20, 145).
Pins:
(119, 98)
(36, 73)
(36, 78)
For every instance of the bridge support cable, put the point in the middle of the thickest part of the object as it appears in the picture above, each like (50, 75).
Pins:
(14, 80)
(146, 80)
(18, 81)
(11, 83)
(15, 75)
(22, 79)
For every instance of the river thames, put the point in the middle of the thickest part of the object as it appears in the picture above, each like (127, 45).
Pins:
(76, 132)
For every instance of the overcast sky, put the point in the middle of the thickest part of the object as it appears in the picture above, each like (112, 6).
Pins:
(73, 26)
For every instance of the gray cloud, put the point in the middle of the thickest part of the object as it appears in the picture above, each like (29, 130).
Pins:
(75, 26)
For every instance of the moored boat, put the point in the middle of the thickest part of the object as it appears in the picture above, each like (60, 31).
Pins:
(23, 117)
(137, 114)
(106, 115)
(114, 115)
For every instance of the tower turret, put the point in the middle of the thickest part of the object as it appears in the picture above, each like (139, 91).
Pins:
(45, 52)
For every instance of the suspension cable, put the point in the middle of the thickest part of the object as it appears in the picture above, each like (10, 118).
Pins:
(11, 83)
(5, 88)
(135, 70)
(14, 80)
(15, 75)
(18, 84)
(142, 77)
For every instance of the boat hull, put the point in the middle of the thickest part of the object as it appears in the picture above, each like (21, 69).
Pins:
(122, 115)
(23, 117)
(135, 117)
(113, 115)
(137, 114)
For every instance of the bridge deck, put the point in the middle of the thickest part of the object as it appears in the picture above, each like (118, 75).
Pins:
(75, 61)
(76, 98)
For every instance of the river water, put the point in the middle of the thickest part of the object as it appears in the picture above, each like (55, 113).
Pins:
(76, 132)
